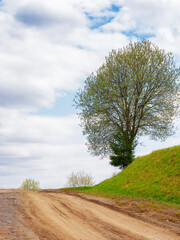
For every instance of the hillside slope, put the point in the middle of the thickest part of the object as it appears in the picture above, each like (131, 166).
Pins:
(154, 176)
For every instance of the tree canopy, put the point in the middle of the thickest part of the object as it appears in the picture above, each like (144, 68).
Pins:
(133, 93)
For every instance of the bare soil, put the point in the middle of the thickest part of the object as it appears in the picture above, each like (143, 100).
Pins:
(56, 215)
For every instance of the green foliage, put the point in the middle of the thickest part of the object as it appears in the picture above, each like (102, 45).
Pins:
(133, 93)
(79, 179)
(154, 176)
(123, 152)
(30, 184)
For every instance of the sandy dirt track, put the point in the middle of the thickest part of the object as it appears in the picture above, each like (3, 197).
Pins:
(54, 215)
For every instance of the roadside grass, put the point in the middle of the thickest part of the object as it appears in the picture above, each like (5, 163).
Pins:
(150, 184)
(154, 176)
(157, 210)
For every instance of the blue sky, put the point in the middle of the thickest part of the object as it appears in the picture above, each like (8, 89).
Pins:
(47, 49)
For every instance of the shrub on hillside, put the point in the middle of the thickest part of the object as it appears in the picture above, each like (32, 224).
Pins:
(79, 179)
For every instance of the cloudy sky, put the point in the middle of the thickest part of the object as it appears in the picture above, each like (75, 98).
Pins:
(47, 49)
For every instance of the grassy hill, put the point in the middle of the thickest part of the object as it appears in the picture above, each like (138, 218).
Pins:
(154, 176)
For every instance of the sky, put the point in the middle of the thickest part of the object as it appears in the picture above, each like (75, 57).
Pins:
(47, 50)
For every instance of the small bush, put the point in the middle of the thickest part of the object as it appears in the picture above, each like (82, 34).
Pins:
(79, 179)
(30, 184)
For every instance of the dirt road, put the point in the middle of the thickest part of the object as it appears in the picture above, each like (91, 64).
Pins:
(54, 215)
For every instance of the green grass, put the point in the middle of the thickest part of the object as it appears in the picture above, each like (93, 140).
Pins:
(154, 176)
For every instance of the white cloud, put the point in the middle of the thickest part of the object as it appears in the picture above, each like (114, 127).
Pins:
(161, 19)
(49, 13)
(23, 127)
(37, 61)
(45, 148)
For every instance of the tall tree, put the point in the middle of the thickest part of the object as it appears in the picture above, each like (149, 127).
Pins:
(133, 93)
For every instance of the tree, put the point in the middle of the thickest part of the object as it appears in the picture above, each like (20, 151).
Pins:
(133, 93)
(123, 153)
(79, 179)
(30, 184)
